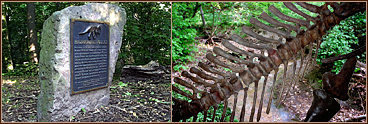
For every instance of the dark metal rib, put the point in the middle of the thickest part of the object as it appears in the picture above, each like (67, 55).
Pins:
(271, 93)
(283, 84)
(241, 41)
(242, 113)
(254, 101)
(213, 59)
(293, 8)
(282, 16)
(309, 7)
(316, 54)
(249, 31)
(212, 70)
(196, 79)
(214, 113)
(308, 60)
(224, 111)
(292, 80)
(203, 75)
(222, 53)
(234, 107)
(183, 93)
(275, 22)
(184, 83)
(230, 46)
(295, 79)
(205, 116)
(301, 63)
(268, 28)
(261, 101)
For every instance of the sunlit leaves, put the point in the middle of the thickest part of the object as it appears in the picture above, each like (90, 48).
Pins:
(183, 33)
(341, 38)
(146, 33)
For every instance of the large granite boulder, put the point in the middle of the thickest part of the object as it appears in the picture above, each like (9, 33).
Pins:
(55, 101)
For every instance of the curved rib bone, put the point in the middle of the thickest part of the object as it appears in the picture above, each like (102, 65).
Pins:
(273, 21)
(282, 16)
(268, 28)
(293, 8)
(249, 31)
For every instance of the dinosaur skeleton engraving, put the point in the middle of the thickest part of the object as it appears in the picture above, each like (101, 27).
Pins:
(219, 86)
(92, 30)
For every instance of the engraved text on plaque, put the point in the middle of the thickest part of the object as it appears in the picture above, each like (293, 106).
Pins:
(89, 55)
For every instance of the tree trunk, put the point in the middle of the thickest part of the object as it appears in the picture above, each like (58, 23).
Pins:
(196, 9)
(32, 34)
(202, 15)
(8, 36)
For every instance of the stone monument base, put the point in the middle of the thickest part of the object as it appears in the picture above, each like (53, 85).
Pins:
(55, 100)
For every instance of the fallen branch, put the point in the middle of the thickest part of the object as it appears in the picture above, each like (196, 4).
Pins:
(361, 102)
(24, 97)
(118, 108)
(359, 51)
(362, 66)
(356, 119)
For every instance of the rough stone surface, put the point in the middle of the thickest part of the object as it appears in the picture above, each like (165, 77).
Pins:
(55, 101)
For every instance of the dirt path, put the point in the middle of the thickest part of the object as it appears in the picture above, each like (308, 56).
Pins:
(276, 114)
(141, 101)
(137, 102)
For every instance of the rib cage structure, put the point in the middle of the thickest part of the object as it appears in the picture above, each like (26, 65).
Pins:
(219, 86)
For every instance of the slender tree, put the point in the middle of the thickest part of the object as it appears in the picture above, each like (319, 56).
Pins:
(8, 36)
(32, 34)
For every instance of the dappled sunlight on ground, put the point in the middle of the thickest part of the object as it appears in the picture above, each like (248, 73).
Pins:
(9, 82)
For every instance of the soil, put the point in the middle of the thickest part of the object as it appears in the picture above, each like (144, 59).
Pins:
(135, 101)
(19, 99)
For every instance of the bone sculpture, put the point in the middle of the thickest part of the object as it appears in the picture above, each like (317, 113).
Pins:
(219, 86)
(324, 106)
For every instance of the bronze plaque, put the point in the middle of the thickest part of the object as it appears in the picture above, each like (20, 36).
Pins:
(89, 55)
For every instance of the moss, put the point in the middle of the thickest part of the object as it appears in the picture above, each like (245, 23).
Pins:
(45, 99)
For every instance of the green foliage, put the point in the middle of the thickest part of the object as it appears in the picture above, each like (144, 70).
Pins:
(146, 33)
(83, 110)
(183, 35)
(12, 30)
(218, 114)
(229, 17)
(179, 96)
(342, 38)
(210, 111)
(27, 69)
(5, 95)
(255, 9)
(16, 29)
(121, 84)
(128, 93)
(222, 19)
(15, 42)
(227, 69)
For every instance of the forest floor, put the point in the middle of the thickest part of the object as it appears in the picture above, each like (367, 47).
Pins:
(136, 101)
(296, 105)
